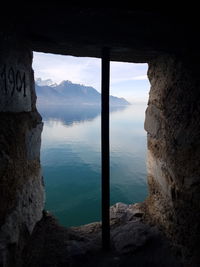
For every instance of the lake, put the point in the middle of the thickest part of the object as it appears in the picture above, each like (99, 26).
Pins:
(71, 160)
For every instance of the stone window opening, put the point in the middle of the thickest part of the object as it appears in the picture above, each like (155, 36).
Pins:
(167, 40)
(103, 119)
(129, 230)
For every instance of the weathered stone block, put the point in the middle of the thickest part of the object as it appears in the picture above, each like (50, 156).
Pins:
(33, 142)
(157, 168)
(173, 126)
(16, 78)
(153, 120)
(21, 184)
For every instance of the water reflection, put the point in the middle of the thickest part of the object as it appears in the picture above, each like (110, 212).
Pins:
(70, 114)
(71, 160)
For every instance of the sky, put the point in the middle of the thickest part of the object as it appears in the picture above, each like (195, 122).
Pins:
(128, 80)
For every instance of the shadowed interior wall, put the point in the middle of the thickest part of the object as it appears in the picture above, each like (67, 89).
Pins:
(172, 117)
(173, 126)
(21, 187)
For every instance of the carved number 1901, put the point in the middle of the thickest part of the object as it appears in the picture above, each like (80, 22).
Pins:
(12, 81)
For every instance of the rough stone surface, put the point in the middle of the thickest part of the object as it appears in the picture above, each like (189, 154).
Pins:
(84, 31)
(122, 213)
(131, 236)
(33, 142)
(20, 222)
(133, 243)
(173, 126)
(157, 168)
(21, 184)
(16, 77)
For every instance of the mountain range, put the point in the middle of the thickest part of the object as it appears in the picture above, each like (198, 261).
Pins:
(71, 93)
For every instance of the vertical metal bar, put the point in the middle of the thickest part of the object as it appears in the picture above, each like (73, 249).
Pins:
(105, 149)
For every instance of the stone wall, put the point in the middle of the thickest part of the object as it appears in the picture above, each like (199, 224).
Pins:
(173, 127)
(21, 186)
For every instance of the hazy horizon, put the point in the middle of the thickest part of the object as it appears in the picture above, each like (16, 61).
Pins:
(71, 138)
(127, 80)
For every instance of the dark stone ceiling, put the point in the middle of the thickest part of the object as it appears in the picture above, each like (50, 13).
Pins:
(132, 34)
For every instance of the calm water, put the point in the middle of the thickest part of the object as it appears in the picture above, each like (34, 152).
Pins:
(71, 160)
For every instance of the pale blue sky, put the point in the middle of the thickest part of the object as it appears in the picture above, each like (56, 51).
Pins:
(128, 80)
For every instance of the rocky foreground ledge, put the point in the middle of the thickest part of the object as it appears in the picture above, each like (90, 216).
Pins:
(133, 242)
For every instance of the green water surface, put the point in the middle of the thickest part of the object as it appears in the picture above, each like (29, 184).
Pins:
(71, 160)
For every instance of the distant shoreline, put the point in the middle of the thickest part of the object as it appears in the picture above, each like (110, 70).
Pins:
(68, 93)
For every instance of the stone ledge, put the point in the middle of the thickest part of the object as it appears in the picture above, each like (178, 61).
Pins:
(133, 242)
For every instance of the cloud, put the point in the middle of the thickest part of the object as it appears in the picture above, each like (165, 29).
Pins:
(59, 68)
(140, 78)
(121, 72)
(124, 77)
